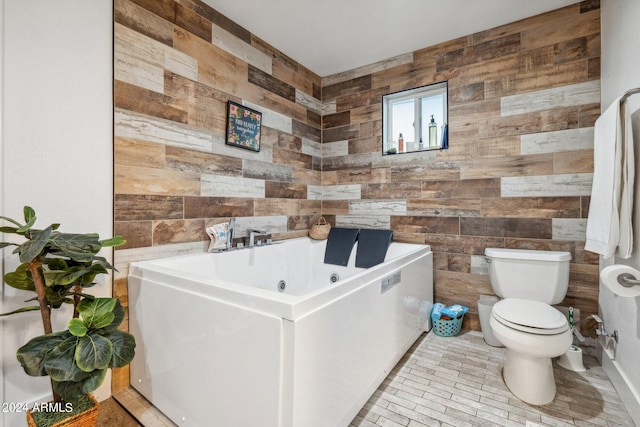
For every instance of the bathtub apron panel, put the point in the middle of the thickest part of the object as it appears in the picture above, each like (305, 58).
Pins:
(220, 345)
(344, 350)
(204, 362)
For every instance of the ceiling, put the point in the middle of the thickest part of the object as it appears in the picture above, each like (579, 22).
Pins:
(331, 36)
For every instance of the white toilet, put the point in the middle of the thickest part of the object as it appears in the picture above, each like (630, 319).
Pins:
(524, 321)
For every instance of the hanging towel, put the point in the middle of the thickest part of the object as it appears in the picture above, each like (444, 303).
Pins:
(339, 245)
(609, 227)
(625, 246)
(372, 247)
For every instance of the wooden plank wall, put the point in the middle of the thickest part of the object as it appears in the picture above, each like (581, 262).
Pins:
(523, 99)
(176, 64)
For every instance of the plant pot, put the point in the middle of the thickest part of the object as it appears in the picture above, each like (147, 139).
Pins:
(86, 418)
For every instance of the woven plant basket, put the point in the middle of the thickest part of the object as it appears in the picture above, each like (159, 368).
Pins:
(87, 418)
(320, 230)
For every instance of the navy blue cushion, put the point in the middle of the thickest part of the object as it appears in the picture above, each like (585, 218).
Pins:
(339, 245)
(372, 247)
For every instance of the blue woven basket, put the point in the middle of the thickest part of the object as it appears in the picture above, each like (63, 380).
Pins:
(447, 328)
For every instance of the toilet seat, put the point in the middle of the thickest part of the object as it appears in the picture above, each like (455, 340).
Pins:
(533, 317)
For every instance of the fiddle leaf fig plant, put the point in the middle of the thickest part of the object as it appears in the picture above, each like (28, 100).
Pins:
(57, 267)
(77, 359)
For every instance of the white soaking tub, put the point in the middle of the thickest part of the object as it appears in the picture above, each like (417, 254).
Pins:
(219, 344)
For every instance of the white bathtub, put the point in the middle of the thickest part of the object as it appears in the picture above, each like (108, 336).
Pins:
(220, 345)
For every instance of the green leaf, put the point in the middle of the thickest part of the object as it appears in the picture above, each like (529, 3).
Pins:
(102, 321)
(8, 230)
(90, 274)
(32, 355)
(13, 221)
(22, 310)
(57, 264)
(31, 249)
(29, 214)
(118, 317)
(27, 226)
(103, 262)
(94, 380)
(56, 296)
(124, 345)
(59, 362)
(79, 247)
(114, 241)
(72, 391)
(77, 327)
(20, 278)
(95, 312)
(62, 277)
(93, 352)
(69, 391)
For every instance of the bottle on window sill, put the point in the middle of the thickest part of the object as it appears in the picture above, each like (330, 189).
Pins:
(433, 130)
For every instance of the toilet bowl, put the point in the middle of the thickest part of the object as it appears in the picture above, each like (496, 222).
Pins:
(524, 321)
(533, 333)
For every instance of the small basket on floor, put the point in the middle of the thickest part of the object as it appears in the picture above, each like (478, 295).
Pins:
(446, 327)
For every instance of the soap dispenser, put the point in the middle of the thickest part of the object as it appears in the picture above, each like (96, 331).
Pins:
(400, 143)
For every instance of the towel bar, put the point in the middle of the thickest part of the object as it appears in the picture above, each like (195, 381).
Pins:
(629, 93)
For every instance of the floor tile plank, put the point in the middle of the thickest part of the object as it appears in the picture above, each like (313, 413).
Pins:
(458, 381)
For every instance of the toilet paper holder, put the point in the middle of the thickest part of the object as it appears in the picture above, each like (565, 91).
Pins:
(621, 279)
(628, 280)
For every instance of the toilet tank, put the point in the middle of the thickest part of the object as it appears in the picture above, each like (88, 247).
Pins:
(529, 274)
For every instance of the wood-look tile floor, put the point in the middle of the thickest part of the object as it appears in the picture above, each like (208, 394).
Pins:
(457, 381)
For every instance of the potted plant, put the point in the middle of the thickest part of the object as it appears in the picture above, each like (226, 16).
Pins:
(57, 267)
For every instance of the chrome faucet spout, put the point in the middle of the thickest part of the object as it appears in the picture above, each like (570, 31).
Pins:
(252, 235)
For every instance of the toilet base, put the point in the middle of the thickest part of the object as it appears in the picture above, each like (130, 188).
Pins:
(529, 378)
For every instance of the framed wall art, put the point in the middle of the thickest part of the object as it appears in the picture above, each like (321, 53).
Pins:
(243, 126)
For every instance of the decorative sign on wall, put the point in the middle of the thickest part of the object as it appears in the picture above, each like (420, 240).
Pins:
(243, 126)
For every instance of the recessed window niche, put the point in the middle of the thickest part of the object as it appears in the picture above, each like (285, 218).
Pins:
(415, 120)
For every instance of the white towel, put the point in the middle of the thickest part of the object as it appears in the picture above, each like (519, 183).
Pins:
(625, 246)
(609, 227)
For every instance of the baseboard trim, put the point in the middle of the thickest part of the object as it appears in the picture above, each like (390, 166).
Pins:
(628, 396)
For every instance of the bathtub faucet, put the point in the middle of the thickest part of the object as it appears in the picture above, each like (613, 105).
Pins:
(252, 236)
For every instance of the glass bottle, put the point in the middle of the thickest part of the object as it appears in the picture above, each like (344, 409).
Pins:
(433, 130)
(400, 143)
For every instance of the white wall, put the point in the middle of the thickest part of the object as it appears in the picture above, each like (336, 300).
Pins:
(621, 72)
(56, 145)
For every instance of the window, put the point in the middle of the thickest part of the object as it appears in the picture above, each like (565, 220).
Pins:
(415, 119)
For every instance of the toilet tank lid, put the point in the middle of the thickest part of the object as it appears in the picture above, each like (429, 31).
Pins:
(528, 254)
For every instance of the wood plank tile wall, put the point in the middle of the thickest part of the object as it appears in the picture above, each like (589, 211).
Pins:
(176, 64)
(523, 99)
